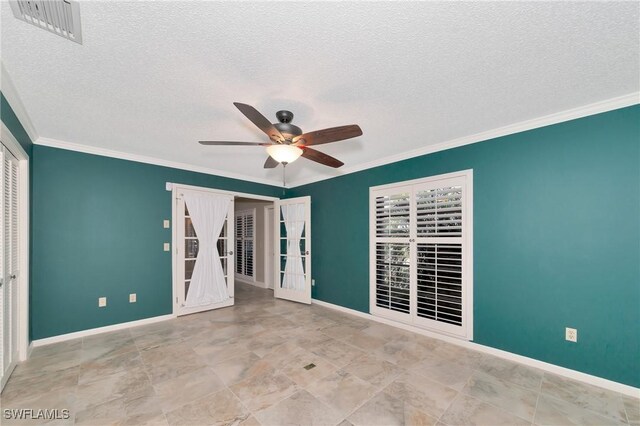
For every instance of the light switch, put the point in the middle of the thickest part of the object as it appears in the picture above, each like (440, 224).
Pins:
(132, 298)
(166, 224)
(167, 246)
(102, 302)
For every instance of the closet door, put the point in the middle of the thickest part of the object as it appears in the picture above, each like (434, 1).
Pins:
(9, 264)
(391, 267)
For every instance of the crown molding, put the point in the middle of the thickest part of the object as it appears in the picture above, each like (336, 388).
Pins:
(547, 120)
(572, 114)
(70, 146)
(11, 94)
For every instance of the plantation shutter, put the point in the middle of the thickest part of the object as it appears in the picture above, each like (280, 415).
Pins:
(245, 222)
(421, 253)
(439, 252)
(392, 250)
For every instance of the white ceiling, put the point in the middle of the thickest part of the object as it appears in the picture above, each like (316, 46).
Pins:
(153, 78)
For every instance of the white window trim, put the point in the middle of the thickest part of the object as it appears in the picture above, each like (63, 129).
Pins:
(241, 276)
(467, 253)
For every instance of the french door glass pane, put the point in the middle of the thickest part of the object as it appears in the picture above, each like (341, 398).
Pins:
(188, 268)
(189, 231)
(190, 248)
(222, 246)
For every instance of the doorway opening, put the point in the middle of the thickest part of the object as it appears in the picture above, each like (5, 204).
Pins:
(254, 244)
(223, 236)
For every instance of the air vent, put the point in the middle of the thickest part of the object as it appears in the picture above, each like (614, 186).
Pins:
(61, 17)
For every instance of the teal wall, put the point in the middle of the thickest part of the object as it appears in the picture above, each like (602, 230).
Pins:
(97, 231)
(556, 239)
(10, 120)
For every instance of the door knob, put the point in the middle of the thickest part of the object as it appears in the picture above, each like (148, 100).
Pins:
(230, 253)
(13, 277)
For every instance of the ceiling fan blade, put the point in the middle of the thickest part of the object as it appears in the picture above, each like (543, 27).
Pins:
(234, 143)
(260, 120)
(332, 134)
(320, 157)
(270, 163)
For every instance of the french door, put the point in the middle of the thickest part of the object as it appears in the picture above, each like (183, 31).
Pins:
(421, 253)
(292, 219)
(197, 253)
(8, 264)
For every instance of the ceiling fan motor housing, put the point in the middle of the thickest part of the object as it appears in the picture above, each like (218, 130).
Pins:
(284, 126)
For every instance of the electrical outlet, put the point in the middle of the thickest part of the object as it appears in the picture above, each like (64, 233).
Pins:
(167, 246)
(571, 334)
(166, 224)
(132, 298)
(102, 302)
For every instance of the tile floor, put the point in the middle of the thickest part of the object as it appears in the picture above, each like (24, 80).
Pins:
(245, 365)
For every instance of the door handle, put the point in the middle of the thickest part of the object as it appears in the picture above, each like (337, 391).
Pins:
(230, 253)
(13, 277)
(306, 252)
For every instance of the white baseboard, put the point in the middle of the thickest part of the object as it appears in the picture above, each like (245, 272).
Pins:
(253, 283)
(99, 330)
(260, 284)
(545, 366)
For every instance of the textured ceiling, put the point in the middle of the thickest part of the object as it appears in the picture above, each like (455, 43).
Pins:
(152, 78)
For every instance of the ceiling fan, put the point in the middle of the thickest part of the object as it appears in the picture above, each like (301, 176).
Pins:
(287, 142)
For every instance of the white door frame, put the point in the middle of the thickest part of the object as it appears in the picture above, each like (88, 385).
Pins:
(16, 149)
(269, 245)
(174, 187)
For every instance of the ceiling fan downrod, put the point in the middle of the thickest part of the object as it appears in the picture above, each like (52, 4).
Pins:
(284, 180)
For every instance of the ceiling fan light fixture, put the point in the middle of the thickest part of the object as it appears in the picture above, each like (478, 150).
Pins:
(284, 153)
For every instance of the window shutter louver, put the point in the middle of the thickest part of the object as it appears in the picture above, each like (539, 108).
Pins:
(392, 215)
(439, 212)
(239, 244)
(245, 222)
(439, 282)
(249, 245)
(393, 220)
(392, 276)
(14, 217)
